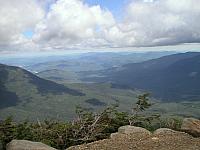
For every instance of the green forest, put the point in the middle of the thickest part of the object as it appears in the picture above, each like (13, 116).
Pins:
(86, 127)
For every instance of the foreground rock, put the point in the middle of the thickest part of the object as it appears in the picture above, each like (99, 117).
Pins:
(166, 131)
(133, 138)
(27, 145)
(133, 130)
(191, 126)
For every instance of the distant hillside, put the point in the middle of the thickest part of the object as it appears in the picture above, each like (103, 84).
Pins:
(69, 68)
(59, 75)
(21, 88)
(174, 77)
(86, 61)
(25, 95)
(12, 77)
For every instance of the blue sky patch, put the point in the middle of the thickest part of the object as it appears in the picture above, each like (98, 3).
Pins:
(28, 33)
(115, 6)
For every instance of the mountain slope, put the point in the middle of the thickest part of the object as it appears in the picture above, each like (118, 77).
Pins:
(7, 98)
(174, 77)
(59, 75)
(14, 76)
(88, 61)
(23, 93)
(26, 96)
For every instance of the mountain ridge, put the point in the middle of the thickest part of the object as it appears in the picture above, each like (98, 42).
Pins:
(12, 76)
(166, 77)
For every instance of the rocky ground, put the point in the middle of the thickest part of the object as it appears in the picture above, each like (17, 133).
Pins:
(133, 138)
(162, 139)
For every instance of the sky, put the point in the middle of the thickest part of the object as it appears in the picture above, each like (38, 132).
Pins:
(98, 25)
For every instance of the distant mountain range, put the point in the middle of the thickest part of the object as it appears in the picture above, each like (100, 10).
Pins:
(170, 78)
(81, 61)
(24, 95)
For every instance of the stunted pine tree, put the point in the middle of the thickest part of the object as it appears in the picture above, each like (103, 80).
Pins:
(138, 114)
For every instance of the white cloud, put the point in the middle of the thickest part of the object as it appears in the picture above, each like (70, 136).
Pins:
(160, 22)
(15, 18)
(72, 24)
(149, 1)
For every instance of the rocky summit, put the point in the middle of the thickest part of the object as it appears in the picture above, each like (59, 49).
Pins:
(134, 138)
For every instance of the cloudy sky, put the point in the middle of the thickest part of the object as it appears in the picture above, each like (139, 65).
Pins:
(49, 25)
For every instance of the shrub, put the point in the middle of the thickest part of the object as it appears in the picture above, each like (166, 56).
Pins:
(88, 126)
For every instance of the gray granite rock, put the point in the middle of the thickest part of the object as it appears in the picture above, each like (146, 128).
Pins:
(27, 145)
(191, 126)
(133, 130)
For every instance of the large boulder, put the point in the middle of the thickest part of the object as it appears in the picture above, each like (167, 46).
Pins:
(130, 131)
(27, 145)
(164, 131)
(191, 126)
(133, 138)
(133, 130)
